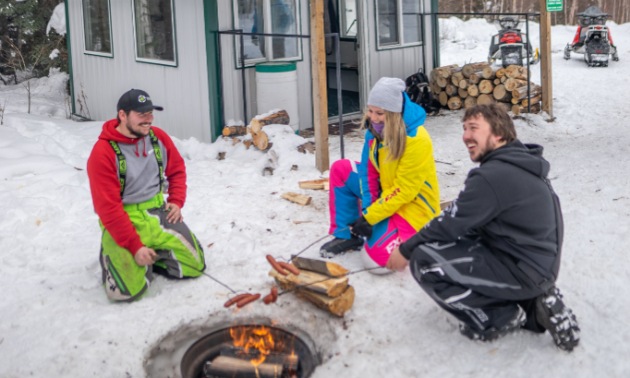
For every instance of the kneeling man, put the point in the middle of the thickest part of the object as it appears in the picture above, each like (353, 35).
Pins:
(141, 233)
(491, 259)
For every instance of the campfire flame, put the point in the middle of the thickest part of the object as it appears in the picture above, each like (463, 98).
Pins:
(258, 338)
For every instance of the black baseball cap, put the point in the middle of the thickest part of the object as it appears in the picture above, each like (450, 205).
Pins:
(136, 100)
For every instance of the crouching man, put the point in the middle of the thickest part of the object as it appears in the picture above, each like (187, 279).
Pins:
(491, 258)
(141, 233)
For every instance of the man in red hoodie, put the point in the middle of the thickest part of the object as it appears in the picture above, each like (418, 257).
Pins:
(141, 233)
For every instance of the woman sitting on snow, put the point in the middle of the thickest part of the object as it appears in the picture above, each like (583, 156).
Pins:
(393, 192)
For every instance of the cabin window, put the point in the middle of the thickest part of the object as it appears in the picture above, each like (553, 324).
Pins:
(269, 17)
(154, 29)
(399, 23)
(97, 27)
(348, 14)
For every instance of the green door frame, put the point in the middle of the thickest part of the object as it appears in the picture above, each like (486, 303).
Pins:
(211, 16)
(436, 38)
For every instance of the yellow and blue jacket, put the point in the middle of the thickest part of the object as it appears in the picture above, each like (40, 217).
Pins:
(407, 186)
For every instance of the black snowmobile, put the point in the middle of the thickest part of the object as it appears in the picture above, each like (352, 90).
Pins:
(511, 46)
(593, 39)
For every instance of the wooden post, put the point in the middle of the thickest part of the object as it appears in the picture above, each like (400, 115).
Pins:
(545, 58)
(320, 98)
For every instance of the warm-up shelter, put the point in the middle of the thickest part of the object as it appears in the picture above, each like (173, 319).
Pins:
(171, 49)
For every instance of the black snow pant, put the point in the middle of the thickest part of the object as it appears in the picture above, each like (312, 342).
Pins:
(473, 283)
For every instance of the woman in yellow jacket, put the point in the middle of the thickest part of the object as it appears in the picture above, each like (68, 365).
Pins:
(393, 191)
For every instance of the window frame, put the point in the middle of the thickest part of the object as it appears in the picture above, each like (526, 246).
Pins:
(342, 20)
(249, 63)
(158, 62)
(400, 28)
(111, 34)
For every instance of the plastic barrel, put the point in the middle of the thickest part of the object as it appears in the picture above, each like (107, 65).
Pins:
(276, 88)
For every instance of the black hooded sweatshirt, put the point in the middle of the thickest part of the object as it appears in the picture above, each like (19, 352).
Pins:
(509, 202)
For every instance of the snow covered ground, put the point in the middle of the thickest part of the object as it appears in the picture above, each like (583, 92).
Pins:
(55, 320)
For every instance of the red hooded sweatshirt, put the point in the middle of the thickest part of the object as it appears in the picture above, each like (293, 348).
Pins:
(102, 169)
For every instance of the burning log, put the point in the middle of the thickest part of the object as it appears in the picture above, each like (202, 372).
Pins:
(323, 267)
(224, 366)
(297, 198)
(330, 286)
(288, 361)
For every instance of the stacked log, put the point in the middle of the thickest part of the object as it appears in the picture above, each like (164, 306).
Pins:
(480, 83)
(322, 283)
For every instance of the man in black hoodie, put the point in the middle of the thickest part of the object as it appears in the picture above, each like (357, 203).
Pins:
(492, 257)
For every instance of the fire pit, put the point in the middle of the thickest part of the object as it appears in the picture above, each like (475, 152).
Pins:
(246, 351)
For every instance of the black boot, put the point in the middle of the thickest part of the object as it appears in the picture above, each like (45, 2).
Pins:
(492, 333)
(558, 319)
(338, 246)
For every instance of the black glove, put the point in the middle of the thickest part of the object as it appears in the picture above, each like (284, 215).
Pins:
(361, 227)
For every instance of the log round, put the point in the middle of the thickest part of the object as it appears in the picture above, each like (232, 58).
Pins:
(463, 84)
(441, 82)
(470, 101)
(521, 93)
(279, 118)
(501, 94)
(500, 73)
(473, 90)
(456, 78)
(462, 93)
(455, 103)
(485, 99)
(489, 73)
(451, 90)
(443, 97)
(471, 68)
(486, 86)
(260, 140)
(515, 71)
(534, 100)
(512, 84)
(475, 78)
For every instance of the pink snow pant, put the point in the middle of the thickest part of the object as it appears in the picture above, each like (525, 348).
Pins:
(345, 208)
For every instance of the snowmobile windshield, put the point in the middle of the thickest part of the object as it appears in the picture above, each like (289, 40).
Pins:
(508, 22)
(593, 15)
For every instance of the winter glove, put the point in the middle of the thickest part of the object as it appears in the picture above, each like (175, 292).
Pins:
(361, 227)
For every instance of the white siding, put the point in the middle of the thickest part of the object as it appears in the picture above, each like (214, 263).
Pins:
(182, 90)
(232, 84)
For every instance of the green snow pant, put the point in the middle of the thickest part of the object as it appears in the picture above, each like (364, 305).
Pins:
(123, 278)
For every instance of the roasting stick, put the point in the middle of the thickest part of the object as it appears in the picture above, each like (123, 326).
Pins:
(318, 240)
(331, 278)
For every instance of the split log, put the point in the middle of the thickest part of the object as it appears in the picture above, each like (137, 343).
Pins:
(462, 93)
(297, 198)
(486, 86)
(308, 146)
(521, 93)
(443, 98)
(501, 94)
(329, 286)
(489, 73)
(463, 84)
(512, 84)
(473, 90)
(455, 103)
(497, 81)
(534, 100)
(224, 366)
(472, 68)
(518, 109)
(504, 79)
(451, 90)
(515, 101)
(475, 78)
(456, 78)
(516, 72)
(279, 118)
(337, 306)
(470, 101)
(234, 130)
(248, 143)
(500, 73)
(441, 82)
(506, 106)
(445, 71)
(319, 266)
(445, 204)
(435, 88)
(486, 99)
(260, 140)
(313, 184)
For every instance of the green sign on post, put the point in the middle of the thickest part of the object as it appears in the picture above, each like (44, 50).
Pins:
(554, 5)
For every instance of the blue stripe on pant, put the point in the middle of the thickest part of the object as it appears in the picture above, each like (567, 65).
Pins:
(345, 194)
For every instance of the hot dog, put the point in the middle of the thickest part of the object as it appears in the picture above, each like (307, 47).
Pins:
(244, 301)
(290, 268)
(274, 291)
(276, 266)
(272, 297)
(268, 299)
(236, 299)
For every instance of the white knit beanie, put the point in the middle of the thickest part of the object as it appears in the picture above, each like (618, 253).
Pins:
(387, 94)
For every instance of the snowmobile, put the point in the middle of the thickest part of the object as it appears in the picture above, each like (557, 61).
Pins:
(593, 39)
(511, 46)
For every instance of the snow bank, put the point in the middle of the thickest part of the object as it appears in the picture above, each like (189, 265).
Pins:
(58, 20)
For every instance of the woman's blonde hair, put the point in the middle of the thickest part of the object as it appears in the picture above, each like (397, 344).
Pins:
(394, 133)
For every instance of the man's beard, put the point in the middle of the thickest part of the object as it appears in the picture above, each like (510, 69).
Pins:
(135, 133)
(490, 146)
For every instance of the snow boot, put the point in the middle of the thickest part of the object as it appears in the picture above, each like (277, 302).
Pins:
(339, 246)
(558, 319)
(493, 333)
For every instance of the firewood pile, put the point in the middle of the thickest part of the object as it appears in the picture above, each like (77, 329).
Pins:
(480, 83)
(322, 283)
